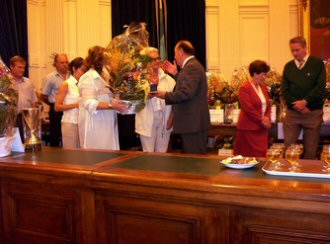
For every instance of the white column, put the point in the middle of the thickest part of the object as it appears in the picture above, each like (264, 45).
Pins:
(70, 28)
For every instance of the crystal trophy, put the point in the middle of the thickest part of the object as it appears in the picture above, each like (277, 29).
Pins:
(32, 129)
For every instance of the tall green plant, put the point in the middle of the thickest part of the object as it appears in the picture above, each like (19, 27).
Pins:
(8, 101)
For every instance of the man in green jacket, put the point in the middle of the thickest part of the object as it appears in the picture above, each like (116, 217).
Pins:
(303, 90)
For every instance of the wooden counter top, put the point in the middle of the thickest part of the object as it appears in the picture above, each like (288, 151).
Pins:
(121, 191)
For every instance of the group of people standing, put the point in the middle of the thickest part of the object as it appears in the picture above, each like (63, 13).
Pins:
(84, 111)
(303, 89)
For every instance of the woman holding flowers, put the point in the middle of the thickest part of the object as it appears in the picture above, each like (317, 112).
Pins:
(254, 119)
(97, 117)
(154, 122)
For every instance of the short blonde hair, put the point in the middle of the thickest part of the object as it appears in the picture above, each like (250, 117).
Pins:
(148, 50)
(298, 39)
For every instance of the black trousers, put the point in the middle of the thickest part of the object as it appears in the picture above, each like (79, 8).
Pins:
(194, 142)
(55, 134)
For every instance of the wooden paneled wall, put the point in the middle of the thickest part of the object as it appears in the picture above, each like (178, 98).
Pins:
(240, 31)
(69, 26)
(237, 31)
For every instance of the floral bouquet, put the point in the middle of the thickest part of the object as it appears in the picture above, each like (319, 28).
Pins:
(216, 86)
(127, 65)
(8, 101)
(239, 76)
(273, 82)
(222, 89)
(327, 88)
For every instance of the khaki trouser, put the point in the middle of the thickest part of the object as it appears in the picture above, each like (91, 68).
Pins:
(70, 135)
(158, 141)
(311, 125)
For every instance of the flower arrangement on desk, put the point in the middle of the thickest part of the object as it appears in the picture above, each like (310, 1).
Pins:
(217, 83)
(8, 101)
(8, 110)
(273, 82)
(127, 65)
(327, 88)
(220, 89)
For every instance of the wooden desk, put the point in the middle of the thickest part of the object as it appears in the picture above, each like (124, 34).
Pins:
(78, 196)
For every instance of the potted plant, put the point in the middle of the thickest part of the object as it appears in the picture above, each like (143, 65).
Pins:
(8, 112)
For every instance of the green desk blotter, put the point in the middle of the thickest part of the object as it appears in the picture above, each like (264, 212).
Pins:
(68, 157)
(175, 164)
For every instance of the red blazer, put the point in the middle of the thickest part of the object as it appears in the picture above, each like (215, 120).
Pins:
(251, 115)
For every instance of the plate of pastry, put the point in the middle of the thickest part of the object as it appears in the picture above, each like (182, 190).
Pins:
(239, 162)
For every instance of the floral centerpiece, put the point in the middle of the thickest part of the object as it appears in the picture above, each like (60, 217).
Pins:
(239, 76)
(220, 89)
(8, 106)
(273, 82)
(327, 88)
(127, 65)
(217, 83)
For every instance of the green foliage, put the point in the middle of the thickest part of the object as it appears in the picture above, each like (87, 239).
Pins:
(8, 101)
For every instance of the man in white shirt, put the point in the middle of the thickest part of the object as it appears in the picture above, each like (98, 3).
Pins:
(26, 91)
(49, 90)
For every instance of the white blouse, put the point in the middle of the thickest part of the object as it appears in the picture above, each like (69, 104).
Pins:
(261, 95)
(72, 96)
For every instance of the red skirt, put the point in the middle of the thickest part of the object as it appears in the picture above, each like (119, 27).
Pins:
(251, 143)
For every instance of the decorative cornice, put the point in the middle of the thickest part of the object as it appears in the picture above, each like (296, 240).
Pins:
(104, 2)
(33, 2)
(253, 9)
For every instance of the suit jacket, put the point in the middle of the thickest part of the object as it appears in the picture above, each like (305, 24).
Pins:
(189, 99)
(251, 108)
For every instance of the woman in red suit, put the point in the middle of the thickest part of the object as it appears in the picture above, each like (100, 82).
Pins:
(254, 119)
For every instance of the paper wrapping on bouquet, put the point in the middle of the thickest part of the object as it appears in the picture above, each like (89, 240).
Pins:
(32, 129)
(133, 96)
(127, 63)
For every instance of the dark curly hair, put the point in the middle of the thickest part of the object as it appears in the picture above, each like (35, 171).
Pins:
(257, 67)
(95, 58)
(76, 63)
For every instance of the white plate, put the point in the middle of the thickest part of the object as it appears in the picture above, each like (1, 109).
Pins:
(239, 166)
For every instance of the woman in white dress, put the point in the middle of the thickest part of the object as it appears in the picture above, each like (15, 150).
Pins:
(154, 122)
(97, 120)
(67, 100)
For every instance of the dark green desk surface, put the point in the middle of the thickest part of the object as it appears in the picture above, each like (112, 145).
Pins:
(199, 166)
(61, 156)
(185, 164)
(175, 164)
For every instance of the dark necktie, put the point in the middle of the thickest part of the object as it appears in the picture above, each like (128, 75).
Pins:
(301, 63)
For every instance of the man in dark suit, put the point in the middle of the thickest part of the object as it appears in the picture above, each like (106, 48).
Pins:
(189, 98)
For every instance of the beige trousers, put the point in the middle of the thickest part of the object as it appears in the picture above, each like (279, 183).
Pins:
(159, 139)
(70, 135)
(310, 123)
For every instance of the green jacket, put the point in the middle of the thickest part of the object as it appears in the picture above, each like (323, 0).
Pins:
(307, 83)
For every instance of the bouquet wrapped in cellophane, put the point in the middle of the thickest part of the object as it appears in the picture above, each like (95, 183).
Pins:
(127, 65)
(8, 101)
